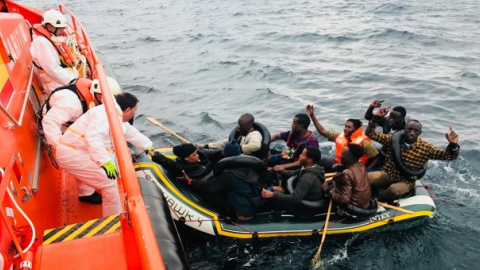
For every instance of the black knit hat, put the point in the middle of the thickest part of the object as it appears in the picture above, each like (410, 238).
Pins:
(184, 150)
(231, 149)
(356, 150)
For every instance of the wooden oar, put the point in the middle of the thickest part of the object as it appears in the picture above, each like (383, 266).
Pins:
(316, 262)
(155, 122)
(386, 205)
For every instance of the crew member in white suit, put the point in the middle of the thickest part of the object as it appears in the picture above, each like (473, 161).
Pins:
(66, 104)
(50, 54)
(86, 151)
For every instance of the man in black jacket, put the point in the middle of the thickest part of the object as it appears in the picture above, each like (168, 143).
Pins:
(235, 188)
(396, 121)
(196, 163)
(308, 185)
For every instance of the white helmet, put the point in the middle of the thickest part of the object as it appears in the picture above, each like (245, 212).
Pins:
(112, 84)
(55, 18)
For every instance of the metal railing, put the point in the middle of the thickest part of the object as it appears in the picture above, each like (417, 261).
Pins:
(148, 251)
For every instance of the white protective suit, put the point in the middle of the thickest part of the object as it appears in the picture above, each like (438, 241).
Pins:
(52, 74)
(86, 146)
(65, 107)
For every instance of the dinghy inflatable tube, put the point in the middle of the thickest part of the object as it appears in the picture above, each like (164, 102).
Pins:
(166, 233)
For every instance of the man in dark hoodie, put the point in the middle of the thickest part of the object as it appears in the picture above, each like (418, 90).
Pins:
(308, 185)
(196, 163)
(235, 188)
(351, 185)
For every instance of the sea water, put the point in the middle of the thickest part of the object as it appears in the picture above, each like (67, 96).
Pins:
(198, 65)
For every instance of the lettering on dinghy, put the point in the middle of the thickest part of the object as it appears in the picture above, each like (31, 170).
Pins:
(379, 217)
(180, 209)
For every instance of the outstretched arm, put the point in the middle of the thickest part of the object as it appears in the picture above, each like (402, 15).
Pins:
(275, 137)
(452, 151)
(310, 111)
(372, 125)
(375, 104)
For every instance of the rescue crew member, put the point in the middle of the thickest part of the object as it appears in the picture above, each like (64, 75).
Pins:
(62, 108)
(86, 150)
(54, 59)
(352, 133)
(250, 140)
(297, 139)
(406, 159)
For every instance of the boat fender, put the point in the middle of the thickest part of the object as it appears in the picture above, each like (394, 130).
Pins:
(242, 161)
(320, 204)
(360, 212)
(262, 153)
(166, 233)
(409, 174)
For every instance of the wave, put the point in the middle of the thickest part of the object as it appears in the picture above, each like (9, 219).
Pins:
(392, 33)
(390, 8)
(148, 39)
(315, 37)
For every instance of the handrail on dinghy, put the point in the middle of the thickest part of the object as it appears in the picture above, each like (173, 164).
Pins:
(138, 220)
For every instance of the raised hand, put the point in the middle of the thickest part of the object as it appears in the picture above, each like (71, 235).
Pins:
(377, 103)
(451, 136)
(382, 112)
(309, 109)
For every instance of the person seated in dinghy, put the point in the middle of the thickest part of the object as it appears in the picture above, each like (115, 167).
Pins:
(352, 133)
(349, 188)
(197, 163)
(395, 121)
(250, 140)
(297, 139)
(236, 185)
(305, 189)
(406, 157)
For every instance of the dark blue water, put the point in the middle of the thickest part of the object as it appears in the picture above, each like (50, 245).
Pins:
(198, 65)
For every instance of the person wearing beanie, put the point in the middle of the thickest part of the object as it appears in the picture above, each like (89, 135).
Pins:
(235, 188)
(231, 149)
(196, 163)
(350, 186)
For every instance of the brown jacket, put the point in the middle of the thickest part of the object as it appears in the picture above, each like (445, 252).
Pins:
(352, 186)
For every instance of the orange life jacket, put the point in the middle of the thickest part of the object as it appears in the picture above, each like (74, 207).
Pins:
(67, 57)
(81, 87)
(357, 138)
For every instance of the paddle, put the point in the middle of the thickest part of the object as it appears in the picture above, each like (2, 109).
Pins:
(155, 122)
(316, 262)
(386, 205)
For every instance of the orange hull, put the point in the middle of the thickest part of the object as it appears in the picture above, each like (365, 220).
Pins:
(47, 195)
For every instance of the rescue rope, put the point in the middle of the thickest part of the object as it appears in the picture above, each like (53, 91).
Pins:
(427, 187)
